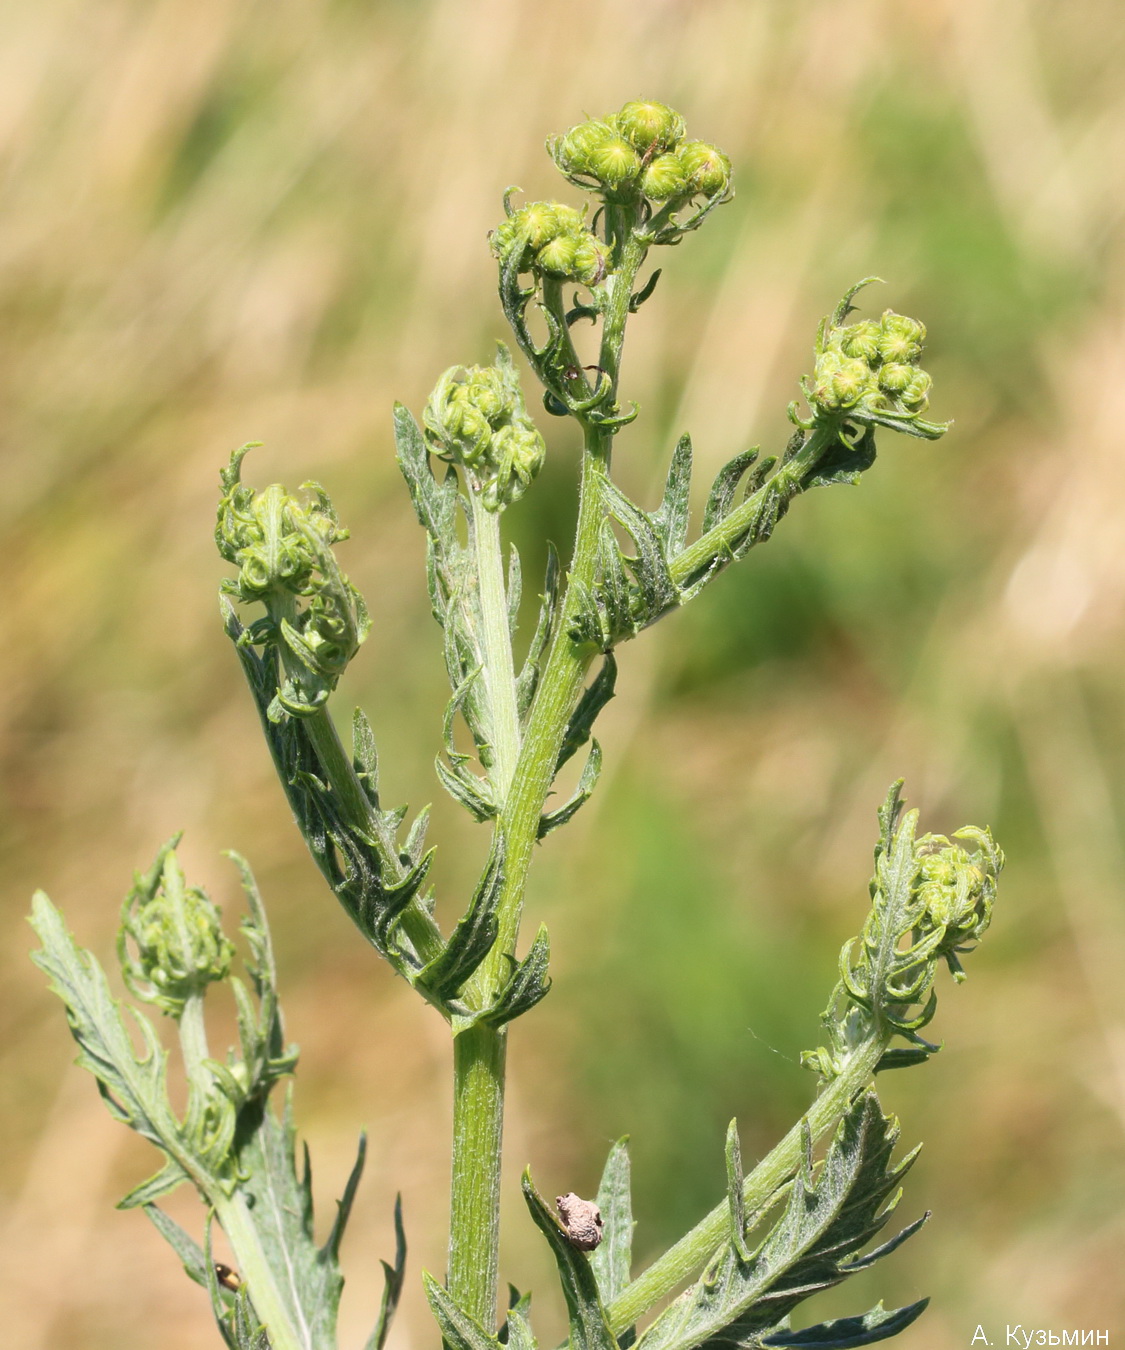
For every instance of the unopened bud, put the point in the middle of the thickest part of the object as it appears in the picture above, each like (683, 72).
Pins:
(664, 178)
(175, 931)
(650, 126)
(706, 169)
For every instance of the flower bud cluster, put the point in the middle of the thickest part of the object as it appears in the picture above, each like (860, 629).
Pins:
(282, 546)
(476, 418)
(179, 942)
(554, 241)
(955, 888)
(642, 150)
(872, 365)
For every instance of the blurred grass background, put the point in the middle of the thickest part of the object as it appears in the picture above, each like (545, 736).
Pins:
(227, 221)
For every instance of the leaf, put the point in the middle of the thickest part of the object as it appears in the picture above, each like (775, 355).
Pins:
(525, 987)
(826, 1221)
(435, 503)
(589, 1325)
(842, 1333)
(528, 680)
(593, 700)
(133, 1086)
(472, 939)
(670, 520)
(612, 1260)
(331, 1249)
(458, 1330)
(519, 1329)
(735, 1198)
(278, 1203)
(515, 589)
(721, 496)
(160, 1183)
(551, 820)
(842, 463)
(658, 590)
(393, 1277)
(185, 1247)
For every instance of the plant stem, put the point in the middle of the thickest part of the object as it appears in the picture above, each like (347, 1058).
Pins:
(478, 1135)
(714, 547)
(233, 1215)
(690, 1254)
(270, 1304)
(479, 1051)
(498, 672)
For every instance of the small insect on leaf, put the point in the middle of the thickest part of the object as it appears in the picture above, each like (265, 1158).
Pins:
(582, 1220)
(229, 1279)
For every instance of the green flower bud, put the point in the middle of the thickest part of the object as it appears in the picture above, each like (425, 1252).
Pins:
(895, 377)
(615, 162)
(556, 257)
(706, 169)
(650, 126)
(548, 235)
(518, 452)
(572, 152)
(954, 889)
(915, 395)
(664, 178)
(476, 418)
(175, 931)
(840, 382)
(591, 257)
(901, 338)
(861, 340)
(282, 545)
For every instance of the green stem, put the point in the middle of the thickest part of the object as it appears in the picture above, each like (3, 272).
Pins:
(269, 1303)
(715, 546)
(478, 1136)
(479, 1051)
(498, 672)
(277, 1312)
(680, 1262)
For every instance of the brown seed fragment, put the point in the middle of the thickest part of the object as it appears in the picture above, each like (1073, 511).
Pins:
(582, 1220)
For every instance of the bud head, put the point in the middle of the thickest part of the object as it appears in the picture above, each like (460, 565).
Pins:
(664, 178)
(176, 934)
(650, 126)
(706, 169)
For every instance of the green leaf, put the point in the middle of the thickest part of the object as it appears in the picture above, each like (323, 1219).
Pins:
(735, 1197)
(279, 1205)
(658, 591)
(472, 939)
(593, 700)
(185, 1247)
(520, 1336)
(160, 1183)
(612, 1260)
(528, 680)
(551, 820)
(393, 1277)
(843, 1333)
(589, 1325)
(458, 1330)
(812, 1246)
(843, 463)
(525, 987)
(133, 1086)
(721, 497)
(670, 520)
